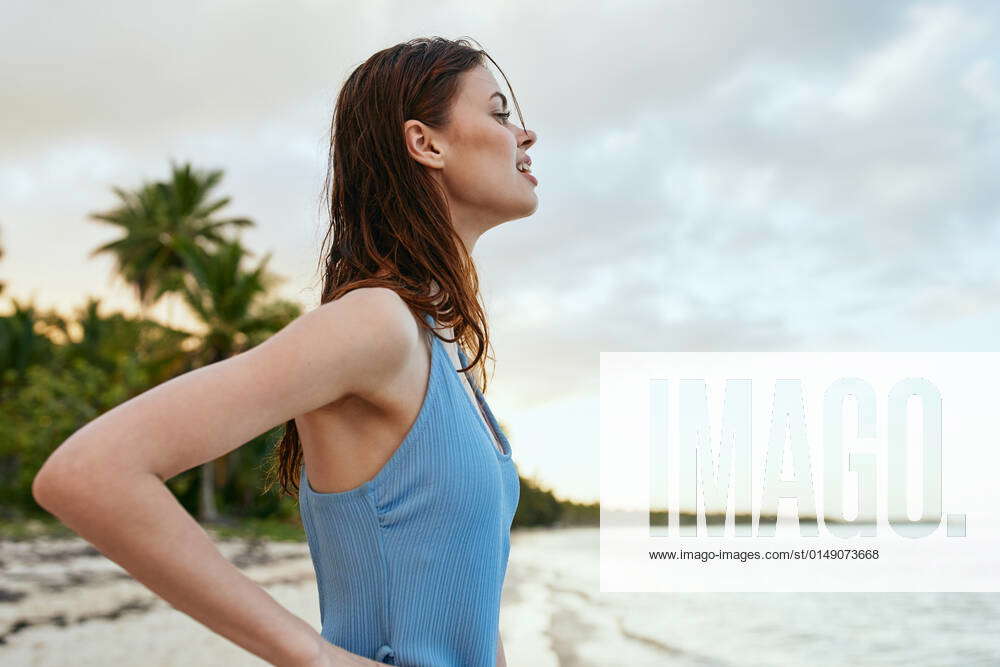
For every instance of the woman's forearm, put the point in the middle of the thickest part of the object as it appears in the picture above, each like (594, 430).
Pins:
(134, 520)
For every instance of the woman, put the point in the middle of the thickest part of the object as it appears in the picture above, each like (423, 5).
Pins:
(406, 510)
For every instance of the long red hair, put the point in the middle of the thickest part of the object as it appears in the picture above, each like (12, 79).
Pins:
(389, 220)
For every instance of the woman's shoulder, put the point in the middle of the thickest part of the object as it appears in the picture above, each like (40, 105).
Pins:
(380, 329)
(375, 311)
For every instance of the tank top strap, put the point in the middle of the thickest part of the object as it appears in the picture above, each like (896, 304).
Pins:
(497, 434)
(485, 416)
(461, 355)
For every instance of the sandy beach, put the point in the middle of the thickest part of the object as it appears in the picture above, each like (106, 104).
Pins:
(62, 602)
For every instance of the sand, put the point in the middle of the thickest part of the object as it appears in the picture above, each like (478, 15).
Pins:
(63, 603)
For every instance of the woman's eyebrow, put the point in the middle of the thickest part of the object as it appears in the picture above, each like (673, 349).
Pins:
(501, 95)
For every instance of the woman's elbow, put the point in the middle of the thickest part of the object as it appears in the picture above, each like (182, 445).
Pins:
(45, 485)
(57, 480)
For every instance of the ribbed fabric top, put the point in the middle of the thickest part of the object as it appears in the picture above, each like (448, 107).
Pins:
(410, 565)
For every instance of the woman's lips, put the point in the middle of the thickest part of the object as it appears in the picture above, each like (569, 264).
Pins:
(529, 177)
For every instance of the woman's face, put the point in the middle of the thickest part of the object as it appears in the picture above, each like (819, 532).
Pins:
(476, 156)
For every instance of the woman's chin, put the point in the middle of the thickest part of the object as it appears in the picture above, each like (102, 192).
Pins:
(534, 205)
(529, 207)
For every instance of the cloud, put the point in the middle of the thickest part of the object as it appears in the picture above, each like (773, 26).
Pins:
(713, 175)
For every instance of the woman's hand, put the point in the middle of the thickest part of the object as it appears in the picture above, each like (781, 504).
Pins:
(329, 655)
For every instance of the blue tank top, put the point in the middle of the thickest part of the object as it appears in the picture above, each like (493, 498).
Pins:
(410, 565)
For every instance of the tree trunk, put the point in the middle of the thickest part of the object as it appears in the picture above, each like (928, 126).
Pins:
(207, 508)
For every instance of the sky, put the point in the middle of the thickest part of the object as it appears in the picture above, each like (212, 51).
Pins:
(713, 176)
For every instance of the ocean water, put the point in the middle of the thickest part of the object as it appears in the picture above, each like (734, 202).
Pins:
(553, 591)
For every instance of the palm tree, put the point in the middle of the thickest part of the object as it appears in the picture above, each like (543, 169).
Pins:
(23, 342)
(1, 257)
(158, 350)
(227, 301)
(155, 220)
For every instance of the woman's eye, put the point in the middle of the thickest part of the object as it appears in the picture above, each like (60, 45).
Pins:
(505, 115)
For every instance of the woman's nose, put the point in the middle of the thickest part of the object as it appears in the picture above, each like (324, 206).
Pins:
(529, 139)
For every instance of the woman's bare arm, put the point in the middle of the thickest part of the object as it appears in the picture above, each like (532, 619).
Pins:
(106, 482)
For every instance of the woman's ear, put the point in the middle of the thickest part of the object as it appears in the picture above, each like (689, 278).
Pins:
(423, 144)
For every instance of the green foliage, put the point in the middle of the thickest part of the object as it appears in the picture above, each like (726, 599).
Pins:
(241, 493)
(23, 343)
(274, 530)
(537, 506)
(49, 397)
(59, 373)
(229, 300)
(156, 219)
(580, 514)
(54, 402)
(171, 243)
(239, 486)
(46, 526)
